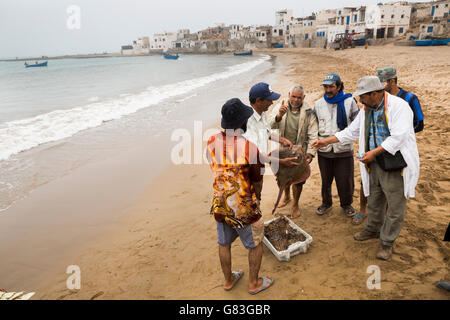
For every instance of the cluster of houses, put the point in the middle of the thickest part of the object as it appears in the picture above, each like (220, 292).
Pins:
(374, 22)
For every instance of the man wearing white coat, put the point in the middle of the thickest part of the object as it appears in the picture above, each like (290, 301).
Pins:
(383, 129)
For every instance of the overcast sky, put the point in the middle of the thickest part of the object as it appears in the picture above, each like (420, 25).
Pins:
(39, 27)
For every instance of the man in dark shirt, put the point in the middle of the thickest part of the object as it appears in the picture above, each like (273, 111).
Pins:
(389, 75)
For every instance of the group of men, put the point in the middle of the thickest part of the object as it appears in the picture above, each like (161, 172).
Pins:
(388, 156)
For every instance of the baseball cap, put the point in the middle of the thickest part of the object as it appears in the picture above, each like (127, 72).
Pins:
(386, 73)
(368, 84)
(262, 90)
(331, 78)
(235, 113)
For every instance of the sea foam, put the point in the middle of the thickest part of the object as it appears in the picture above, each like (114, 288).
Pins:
(20, 135)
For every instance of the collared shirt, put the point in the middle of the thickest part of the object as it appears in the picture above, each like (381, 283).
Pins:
(291, 129)
(235, 163)
(381, 132)
(258, 131)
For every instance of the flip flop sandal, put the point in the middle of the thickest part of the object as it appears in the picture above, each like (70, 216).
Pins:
(266, 284)
(349, 211)
(322, 210)
(358, 218)
(237, 276)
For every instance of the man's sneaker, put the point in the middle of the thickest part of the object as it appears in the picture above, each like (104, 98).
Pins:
(385, 252)
(366, 235)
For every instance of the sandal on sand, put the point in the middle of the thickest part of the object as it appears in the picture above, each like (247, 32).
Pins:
(266, 284)
(237, 276)
(322, 209)
(349, 211)
(358, 218)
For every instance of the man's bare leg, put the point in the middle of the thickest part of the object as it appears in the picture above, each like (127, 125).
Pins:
(286, 197)
(225, 263)
(297, 191)
(254, 262)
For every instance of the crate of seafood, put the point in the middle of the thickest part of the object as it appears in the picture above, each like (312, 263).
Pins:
(285, 239)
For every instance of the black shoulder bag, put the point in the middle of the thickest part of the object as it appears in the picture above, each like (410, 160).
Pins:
(387, 161)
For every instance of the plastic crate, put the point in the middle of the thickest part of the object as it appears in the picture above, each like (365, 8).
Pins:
(293, 249)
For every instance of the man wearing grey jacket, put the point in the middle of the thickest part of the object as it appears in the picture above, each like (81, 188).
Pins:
(296, 122)
(335, 112)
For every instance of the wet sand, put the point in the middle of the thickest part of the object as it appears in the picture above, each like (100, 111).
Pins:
(165, 246)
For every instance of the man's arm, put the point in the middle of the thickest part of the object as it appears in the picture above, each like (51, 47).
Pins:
(418, 114)
(313, 133)
(281, 140)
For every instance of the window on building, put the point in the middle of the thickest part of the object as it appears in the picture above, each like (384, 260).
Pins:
(339, 12)
(262, 34)
(392, 16)
(402, 16)
(430, 29)
(355, 18)
(400, 30)
(382, 16)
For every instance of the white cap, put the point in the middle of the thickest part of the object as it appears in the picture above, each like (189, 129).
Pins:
(368, 84)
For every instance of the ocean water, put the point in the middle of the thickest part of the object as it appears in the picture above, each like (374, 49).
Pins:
(78, 111)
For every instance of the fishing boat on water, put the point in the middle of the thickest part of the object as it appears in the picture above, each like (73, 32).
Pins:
(248, 53)
(43, 64)
(170, 56)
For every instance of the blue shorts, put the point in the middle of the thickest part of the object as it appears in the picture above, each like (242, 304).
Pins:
(250, 236)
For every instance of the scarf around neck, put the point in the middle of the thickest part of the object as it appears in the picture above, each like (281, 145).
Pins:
(341, 114)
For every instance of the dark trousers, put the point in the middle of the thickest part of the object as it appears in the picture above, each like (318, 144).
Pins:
(341, 169)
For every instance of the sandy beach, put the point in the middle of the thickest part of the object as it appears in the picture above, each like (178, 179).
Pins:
(165, 246)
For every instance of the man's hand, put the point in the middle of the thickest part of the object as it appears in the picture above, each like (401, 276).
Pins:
(368, 157)
(286, 143)
(289, 162)
(281, 112)
(319, 144)
(309, 158)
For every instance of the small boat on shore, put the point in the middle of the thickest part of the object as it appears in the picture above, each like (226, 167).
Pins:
(43, 64)
(248, 53)
(432, 42)
(170, 56)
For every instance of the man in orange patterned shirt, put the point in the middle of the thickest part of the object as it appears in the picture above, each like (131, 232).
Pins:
(237, 164)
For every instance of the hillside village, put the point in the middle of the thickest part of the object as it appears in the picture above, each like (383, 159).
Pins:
(400, 21)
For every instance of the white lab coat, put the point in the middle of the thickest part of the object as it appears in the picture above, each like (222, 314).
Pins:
(400, 122)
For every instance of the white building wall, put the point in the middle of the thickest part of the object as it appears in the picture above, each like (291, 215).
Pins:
(440, 9)
(236, 31)
(324, 16)
(283, 17)
(395, 16)
(163, 41)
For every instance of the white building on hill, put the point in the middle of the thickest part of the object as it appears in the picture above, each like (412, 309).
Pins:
(387, 20)
(163, 41)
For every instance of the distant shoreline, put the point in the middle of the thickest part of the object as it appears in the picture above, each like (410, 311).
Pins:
(99, 55)
(75, 56)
